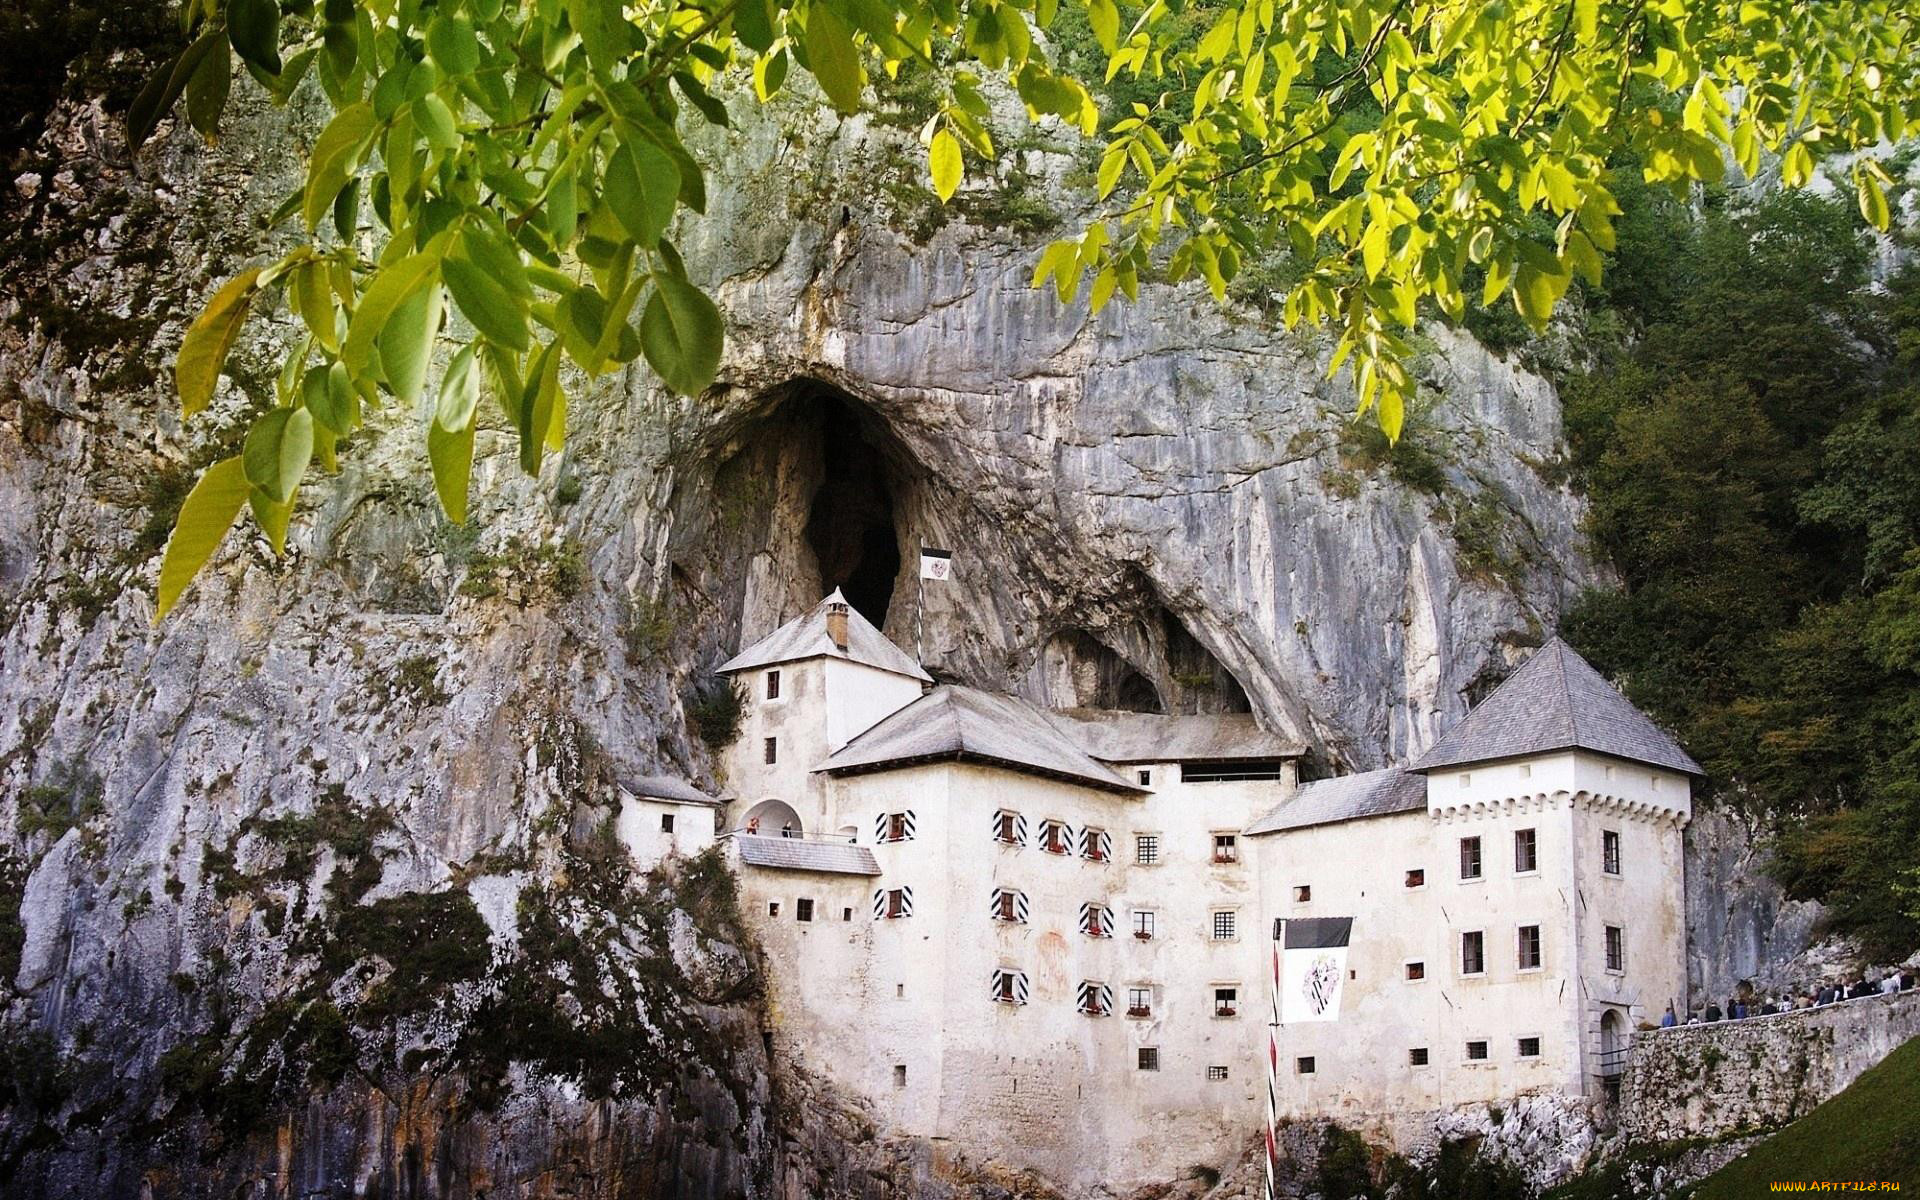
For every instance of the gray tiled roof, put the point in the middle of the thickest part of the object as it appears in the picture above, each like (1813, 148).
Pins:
(952, 722)
(799, 854)
(1126, 737)
(806, 637)
(1556, 701)
(1346, 798)
(660, 787)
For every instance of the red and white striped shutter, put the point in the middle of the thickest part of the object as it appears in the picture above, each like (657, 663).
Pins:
(880, 904)
(1019, 987)
(1020, 909)
(906, 823)
(880, 828)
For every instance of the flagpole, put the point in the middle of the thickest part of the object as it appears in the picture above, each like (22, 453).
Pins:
(1273, 1063)
(920, 618)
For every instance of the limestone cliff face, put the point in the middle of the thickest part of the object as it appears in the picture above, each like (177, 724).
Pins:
(314, 889)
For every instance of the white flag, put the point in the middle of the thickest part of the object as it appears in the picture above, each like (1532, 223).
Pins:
(936, 564)
(1313, 967)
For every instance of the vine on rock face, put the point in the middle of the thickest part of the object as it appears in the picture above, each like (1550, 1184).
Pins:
(522, 159)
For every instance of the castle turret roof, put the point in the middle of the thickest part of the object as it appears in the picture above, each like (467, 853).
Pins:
(806, 637)
(959, 723)
(1556, 701)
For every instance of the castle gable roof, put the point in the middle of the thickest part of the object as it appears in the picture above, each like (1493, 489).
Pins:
(1130, 737)
(960, 723)
(1346, 798)
(799, 854)
(661, 787)
(806, 637)
(1556, 701)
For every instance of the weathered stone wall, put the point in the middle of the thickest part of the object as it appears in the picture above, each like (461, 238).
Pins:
(1711, 1081)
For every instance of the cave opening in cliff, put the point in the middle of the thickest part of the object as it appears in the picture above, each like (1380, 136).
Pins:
(1080, 671)
(850, 525)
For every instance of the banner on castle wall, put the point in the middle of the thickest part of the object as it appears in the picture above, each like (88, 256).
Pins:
(936, 565)
(1313, 967)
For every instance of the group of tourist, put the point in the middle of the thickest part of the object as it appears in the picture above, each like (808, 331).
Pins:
(1746, 1002)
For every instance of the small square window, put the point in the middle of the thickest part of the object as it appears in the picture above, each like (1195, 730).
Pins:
(1149, 1058)
(899, 991)
(1145, 777)
(1139, 1001)
(846, 914)
(773, 908)
(1529, 1047)
(1146, 849)
(771, 750)
(1526, 851)
(899, 1075)
(666, 822)
(1476, 1051)
(803, 909)
(1416, 971)
(1473, 953)
(1466, 779)
(1143, 925)
(1416, 877)
(1417, 1057)
(1006, 828)
(1302, 893)
(1216, 1074)
(1226, 848)
(1469, 858)
(1226, 1002)
(1303, 1065)
(773, 686)
(1223, 926)
(1528, 950)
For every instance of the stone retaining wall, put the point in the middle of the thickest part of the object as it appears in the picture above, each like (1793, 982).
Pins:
(1709, 1081)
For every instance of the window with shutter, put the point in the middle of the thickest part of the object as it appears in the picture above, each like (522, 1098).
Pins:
(1010, 986)
(892, 903)
(1010, 905)
(893, 827)
(1096, 845)
(1096, 920)
(1095, 999)
(1056, 837)
(1009, 828)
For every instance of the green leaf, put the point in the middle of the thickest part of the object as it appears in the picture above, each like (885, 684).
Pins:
(1104, 17)
(406, 343)
(335, 153)
(943, 160)
(393, 284)
(642, 187)
(753, 22)
(278, 448)
(312, 297)
(494, 297)
(603, 30)
(1873, 201)
(453, 47)
(536, 407)
(273, 517)
(451, 454)
(204, 349)
(163, 89)
(205, 516)
(207, 93)
(327, 393)
(682, 335)
(435, 120)
(254, 27)
(833, 59)
(459, 392)
(1536, 291)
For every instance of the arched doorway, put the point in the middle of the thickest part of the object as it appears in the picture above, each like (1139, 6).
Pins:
(1613, 1047)
(772, 818)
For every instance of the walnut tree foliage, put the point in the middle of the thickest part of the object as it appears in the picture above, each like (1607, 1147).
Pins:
(522, 162)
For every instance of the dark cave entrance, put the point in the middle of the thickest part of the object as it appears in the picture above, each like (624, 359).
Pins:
(850, 526)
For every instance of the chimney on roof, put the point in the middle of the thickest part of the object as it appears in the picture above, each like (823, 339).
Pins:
(837, 624)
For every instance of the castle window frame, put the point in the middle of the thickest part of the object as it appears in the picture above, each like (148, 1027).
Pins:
(1302, 893)
(1526, 851)
(666, 822)
(1056, 837)
(1140, 1001)
(773, 685)
(1096, 919)
(1144, 776)
(1096, 845)
(1478, 1051)
(1416, 878)
(803, 909)
(1610, 852)
(770, 751)
(1529, 949)
(1418, 1056)
(1009, 906)
(1094, 999)
(1304, 1065)
(1615, 942)
(773, 908)
(1416, 970)
(1009, 986)
(1226, 1001)
(900, 1077)
(1146, 849)
(1143, 924)
(1216, 1074)
(890, 827)
(1009, 828)
(1147, 1059)
(893, 904)
(1472, 862)
(1527, 1046)
(1473, 953)
(1223, 925)
(1226, 847)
